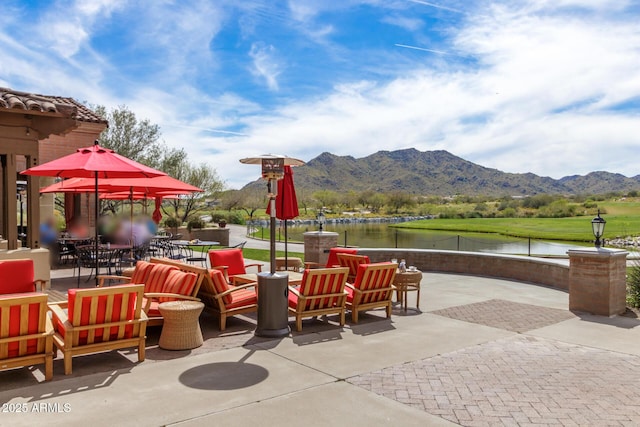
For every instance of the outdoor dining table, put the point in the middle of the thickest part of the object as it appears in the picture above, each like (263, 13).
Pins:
(107, 254)
(295, 278)
(190, 244)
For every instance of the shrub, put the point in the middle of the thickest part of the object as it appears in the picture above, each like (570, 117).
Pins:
(172, 222)
(194, 223)
(633, 285)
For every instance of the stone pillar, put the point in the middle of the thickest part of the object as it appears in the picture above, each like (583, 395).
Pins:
(317, 245)
(597, 281)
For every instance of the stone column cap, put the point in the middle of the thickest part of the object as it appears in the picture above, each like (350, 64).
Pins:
(597, 252)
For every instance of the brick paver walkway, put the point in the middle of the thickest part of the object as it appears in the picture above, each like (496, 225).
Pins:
(508, 315)
(518, 381)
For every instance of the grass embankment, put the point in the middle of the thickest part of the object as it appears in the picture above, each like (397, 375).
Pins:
(574, 229)
(623, 219)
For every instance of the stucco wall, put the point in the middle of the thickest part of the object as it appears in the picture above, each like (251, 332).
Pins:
(527, 269)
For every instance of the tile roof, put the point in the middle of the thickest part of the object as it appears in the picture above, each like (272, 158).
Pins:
(16, 100)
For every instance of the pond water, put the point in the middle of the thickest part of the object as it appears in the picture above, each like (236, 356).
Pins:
(383, 236)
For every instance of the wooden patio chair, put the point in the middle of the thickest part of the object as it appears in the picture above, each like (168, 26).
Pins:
(99, 319)
(352, 262)
(17, 276)
(231, 262)
(164, 280)
(321, 292)
(224, 299)
(26, 332)
(332, 259)
(372, 288)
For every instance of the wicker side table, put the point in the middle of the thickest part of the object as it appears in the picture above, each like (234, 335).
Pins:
(181, 328)
(406, 282)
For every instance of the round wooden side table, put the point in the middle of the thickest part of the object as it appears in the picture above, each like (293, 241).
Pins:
(181, 327)
(405, 283)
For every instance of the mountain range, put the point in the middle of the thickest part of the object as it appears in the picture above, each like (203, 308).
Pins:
(442, 173)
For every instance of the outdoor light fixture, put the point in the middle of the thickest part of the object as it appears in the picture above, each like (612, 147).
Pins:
(321, 220)
(597, 224)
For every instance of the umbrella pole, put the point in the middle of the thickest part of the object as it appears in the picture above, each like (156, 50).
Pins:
(286, 250)
(96, 206)
(273, 189)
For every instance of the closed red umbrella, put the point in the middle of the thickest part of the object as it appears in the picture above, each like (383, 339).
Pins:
(94, 162)
(286, 205)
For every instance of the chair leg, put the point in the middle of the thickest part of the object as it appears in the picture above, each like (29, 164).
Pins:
(298, 323)
(141, 351)
(342, 316)
(48, 367)
(389, 309)
(354, 315)
(223, 322)
(67, 363)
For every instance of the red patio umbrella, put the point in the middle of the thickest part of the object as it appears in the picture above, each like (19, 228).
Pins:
(286, 205)
(94, 162)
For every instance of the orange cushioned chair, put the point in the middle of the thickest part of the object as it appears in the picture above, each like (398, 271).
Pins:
(26, 332)
(320, 292)
(332, 259)
(226, 300)
(16, 276)
(99, 319)
(373, 288)
(231, 262)
(352, 262)
(164, 280)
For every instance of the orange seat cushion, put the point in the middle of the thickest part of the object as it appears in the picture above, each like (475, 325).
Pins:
(141, 272)
(15, 322)
(242, 297)
(16, 276)
(333, 255)
(179, 282)
(232, 258)
(157, 277)
(220, 284)
(101, 316)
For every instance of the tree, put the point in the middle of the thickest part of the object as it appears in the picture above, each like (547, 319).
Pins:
(202, 176)
(139, 140)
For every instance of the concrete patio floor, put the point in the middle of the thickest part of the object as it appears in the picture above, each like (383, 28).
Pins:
(481, 352)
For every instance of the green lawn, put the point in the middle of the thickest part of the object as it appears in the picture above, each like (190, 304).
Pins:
(576, 229)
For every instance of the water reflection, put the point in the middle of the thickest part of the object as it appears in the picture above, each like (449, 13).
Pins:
(383, 236)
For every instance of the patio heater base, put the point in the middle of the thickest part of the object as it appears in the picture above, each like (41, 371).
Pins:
(273, 312)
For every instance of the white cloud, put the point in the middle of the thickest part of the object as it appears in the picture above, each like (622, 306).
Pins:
(265, 64)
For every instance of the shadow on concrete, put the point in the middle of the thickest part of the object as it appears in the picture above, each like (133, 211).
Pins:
(224, 376)
(622, 321)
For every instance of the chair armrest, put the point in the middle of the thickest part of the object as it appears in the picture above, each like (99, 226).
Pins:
(42, 283)
(154, 295)
(60, 304)
(57, 312)
(311, 264)
(102, 278)
(235, 288)
(224, 269)
(294, 291)
(255, 265)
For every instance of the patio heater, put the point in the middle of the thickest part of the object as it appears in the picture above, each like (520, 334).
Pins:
(273, 316)
(597, 226)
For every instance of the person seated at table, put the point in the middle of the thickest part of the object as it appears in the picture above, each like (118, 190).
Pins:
(48, 233)
(78, 228)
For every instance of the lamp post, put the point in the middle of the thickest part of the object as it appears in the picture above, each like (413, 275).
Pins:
(321, 220)
(597, 225)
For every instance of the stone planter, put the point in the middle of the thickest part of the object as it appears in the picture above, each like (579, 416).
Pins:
(216, 234)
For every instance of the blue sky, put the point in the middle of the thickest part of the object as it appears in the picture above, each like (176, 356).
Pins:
(546, 86)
